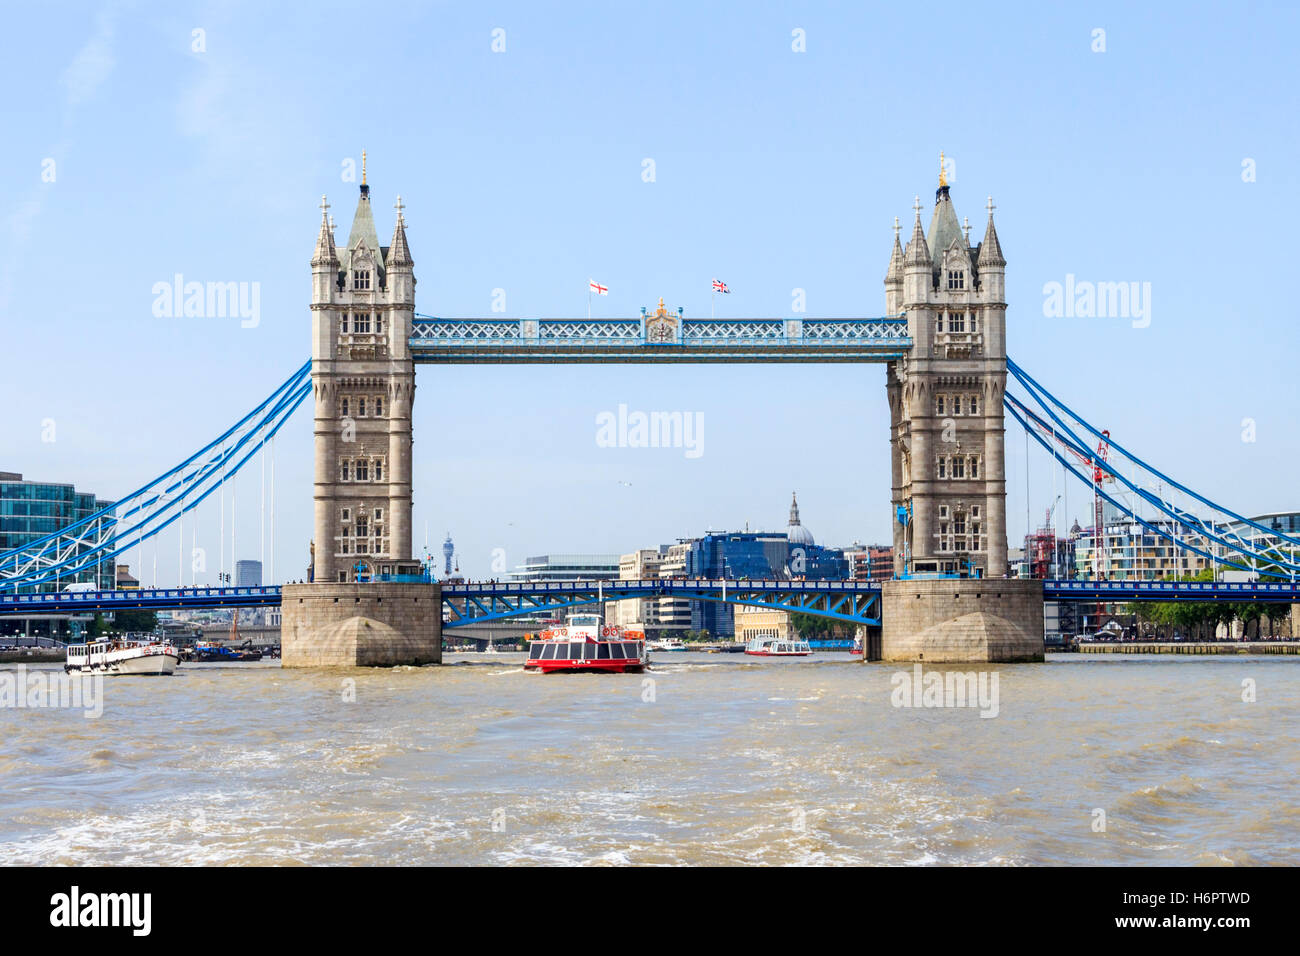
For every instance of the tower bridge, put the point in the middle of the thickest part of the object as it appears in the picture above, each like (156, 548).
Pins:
(941, 337)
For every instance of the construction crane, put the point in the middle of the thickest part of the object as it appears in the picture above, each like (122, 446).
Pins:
(1099, 474)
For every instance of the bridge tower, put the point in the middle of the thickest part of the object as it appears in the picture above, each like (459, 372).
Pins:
(363, 380)
(365, 604)
(945, 398)
(950, 600)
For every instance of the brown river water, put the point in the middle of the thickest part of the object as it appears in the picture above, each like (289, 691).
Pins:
(719, 759)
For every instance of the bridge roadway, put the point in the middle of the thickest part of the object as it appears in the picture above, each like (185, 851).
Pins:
(851, 601)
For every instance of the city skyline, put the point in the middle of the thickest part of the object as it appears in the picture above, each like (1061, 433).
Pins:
(214, 175)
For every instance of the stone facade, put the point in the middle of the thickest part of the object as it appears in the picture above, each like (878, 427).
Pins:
(962, 620)
(945, 398)
(361, 625)
(363, 380)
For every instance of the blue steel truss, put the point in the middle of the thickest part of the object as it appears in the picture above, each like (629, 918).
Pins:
(849, 601)
(480, 340)
(83, 545)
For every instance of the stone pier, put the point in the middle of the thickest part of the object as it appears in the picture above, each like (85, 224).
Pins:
(960, 620)
(360, 625)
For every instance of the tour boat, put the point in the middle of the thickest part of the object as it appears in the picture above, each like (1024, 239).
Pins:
(582, 643)
(122, 657)
(668, 644)
(778, 647)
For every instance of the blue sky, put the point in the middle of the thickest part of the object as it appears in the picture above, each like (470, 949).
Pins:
(521, 170)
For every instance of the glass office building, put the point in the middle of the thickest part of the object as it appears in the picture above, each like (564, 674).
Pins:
(30, 510)
(757, 556)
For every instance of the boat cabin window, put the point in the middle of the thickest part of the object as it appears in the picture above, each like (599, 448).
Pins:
(602, 652)
(548, 652)
(535, 651)
(575, 651)
(584, 620)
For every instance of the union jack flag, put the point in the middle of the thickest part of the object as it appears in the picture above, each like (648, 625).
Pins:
(720, 286)
(597, 288)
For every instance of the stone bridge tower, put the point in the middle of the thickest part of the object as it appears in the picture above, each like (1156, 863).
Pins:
(365, 604)
(945, 398)
(363, 379)
(951, 600)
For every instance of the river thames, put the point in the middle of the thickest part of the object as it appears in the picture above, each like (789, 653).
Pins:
(716, 759)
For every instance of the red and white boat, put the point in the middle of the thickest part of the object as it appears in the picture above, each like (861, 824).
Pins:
(582, 643)
(778, 647)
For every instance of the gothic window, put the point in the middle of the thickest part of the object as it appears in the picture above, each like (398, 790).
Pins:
(959, 524)
(379, 469)
(361, 407)
(379, 515)
(956, 404)
(975, 466)
(974, 405)
(943, 467)
(347, 514)
(343, 473)
(361, 322)
(938, 320)
(957, 322)
(363, 528)
(943, 511)
(939, 405)
(379, 324)
(361, 279)
(956, 279)
(343, 326)
(363, 472)
(343, 407)
(343, 575)
(958, 468)
(379, 406)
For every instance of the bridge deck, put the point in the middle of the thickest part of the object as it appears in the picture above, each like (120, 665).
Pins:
(844, 600)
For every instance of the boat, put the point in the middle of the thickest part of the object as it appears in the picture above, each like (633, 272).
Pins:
(118, 656)
(778, 647)
(583, 644)
(668, 644)
(209, 653)
(491, 648)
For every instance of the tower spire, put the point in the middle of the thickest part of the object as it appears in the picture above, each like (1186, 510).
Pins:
(943, 175)
(363, 167)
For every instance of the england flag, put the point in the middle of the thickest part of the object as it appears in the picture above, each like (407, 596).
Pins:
(596, 287)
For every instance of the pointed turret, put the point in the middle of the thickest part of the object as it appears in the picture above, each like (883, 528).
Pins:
(917, 253)
(895, 271)
(990, 248)
(944, 227)
(325, 253)
(399, 256)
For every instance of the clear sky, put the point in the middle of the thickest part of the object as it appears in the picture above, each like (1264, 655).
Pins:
(522, 170)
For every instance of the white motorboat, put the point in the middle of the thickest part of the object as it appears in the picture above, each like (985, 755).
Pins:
(122, 657)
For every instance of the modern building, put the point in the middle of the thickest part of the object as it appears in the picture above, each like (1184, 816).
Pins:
(567, 567)
(788, 555)
(871, 563)
(674, 613)
(637, 566)
(124, 580)
(248, 574)
(31, 509)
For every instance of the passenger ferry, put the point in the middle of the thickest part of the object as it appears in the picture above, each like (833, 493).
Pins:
(583, 643)
(122, 657)
(778, 647)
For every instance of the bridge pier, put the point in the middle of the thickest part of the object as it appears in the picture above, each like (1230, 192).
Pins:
(962, 620)
(360, 625)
